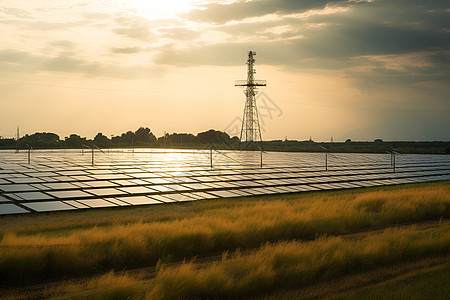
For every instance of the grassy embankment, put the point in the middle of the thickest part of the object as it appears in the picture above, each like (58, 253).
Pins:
(34, 249)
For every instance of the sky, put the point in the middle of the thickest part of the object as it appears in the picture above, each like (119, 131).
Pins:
(335, 69)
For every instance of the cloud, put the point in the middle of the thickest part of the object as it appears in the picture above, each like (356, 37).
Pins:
(362, 38)
(133, 27)
(395, 125)
(376, 43)
(222, 13)
(126, 50)
(50, 26)
(430, 77)
(16, 12)
(12, 61)
(178, 33)
(223, 54)
(63, 44)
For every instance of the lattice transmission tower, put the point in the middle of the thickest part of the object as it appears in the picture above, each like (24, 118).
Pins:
(250, 131)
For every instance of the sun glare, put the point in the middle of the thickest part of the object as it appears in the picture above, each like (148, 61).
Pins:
(153, 9)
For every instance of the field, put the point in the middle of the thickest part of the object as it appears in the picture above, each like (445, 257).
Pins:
(344, 244)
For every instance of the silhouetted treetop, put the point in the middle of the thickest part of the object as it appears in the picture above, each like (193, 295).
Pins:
(213, 136)
(40, 139)
(145, 135)
(102, 141)
(75, 141)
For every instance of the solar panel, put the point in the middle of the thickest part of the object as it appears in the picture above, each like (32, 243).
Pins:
(139, 200)
(33, 196)
(179, 197)
(96, 203)
(25, 180)
(11, 209)
(136, 190)
(117, 201)
(76, 204)
(105, 192)
(69, 194)
(16, 187)
(3, 199)
(49, 206)
(224, 194)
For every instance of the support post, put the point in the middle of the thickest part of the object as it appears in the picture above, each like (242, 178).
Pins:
(92, 156)
(393, 167)
(164, 140)
(261, 157)
(210, 157)
(29, 155)
(326, 161)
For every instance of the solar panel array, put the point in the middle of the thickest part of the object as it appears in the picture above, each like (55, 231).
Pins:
(67, 180)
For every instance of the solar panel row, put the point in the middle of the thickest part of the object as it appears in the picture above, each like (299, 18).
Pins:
(65, 180)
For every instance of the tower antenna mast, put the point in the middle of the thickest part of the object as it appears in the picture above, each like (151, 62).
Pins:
(250, 131)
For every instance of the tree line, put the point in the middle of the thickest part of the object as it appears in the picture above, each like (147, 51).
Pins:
(142, 137)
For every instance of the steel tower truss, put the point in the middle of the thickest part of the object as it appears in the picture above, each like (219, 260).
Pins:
(250, 131)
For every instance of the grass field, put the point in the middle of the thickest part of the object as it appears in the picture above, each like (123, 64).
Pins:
(429, 284)
(231, 247)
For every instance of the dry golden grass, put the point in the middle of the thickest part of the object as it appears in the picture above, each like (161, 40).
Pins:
(293, 264)
(272, 267)
(47, 251)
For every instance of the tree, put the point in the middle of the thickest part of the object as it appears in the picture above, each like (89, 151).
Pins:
(75, 141)
(145, 135)
(101, 140)
(40, 140)
(213, 137)
(180, 139)
(125, 139)
(7, 143)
